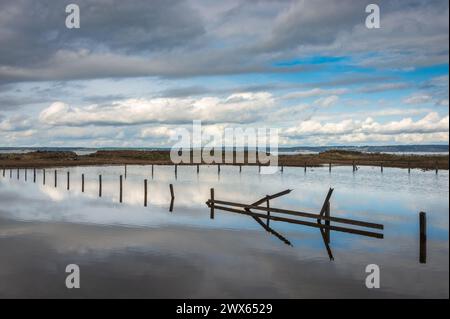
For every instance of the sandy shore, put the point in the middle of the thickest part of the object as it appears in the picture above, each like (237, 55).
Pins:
(119, 157)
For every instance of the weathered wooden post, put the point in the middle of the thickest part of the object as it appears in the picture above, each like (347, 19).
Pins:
(423, 237)
(82, 183)
(68, 180)
(212, 204)
(100, 185)
(327, 222)
(56, 179)
(34, 175)
(120, 194)
(43, 176)
(145, 193)
(172, 195)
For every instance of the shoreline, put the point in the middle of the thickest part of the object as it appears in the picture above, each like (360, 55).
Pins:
(47, 159)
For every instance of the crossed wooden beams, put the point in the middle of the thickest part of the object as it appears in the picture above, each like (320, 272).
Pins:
(255, 211)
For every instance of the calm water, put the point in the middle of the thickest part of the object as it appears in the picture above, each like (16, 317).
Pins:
(127, 250)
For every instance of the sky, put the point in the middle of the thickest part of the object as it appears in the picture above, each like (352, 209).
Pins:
(135, 71)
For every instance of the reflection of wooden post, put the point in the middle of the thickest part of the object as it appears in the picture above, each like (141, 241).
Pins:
(68, 180)
(381, 167)
(120, 195)
(125, 171)
(10, 173)
(329, 167)
(56, 178)
(423, 237)
(259, 168)
(145, 193)
(437, 167)
(327, 222)
(43, 176)
(240, 168)
(152, 170)
(268, 212)
(100, 185)
(409, 168)
(3, 172)
(212, 204)
(354, 166)
(198, 168)
(26, 177)
(305, 167)
(17, 173)
(171, 191)
(82, 183)
(34, 175)
(282, 168)
(218, 168)
(176, 169)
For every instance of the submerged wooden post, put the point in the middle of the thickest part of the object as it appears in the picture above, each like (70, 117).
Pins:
(171, 191)
(34, 175)
(423, 237)
(56, 178)
(211, 215)
(82, 183)
(100, 185)
(120, 194)
(145, 193)
(68, 180)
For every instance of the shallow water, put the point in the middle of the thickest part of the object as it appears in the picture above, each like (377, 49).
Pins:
(128, 250)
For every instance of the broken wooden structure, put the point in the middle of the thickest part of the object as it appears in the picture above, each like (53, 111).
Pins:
(260, 213)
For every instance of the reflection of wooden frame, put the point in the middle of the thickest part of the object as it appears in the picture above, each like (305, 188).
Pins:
(324, 215)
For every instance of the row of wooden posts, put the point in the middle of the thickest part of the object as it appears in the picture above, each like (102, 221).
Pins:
(172, 194)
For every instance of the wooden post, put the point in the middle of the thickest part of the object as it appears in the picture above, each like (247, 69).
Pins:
(125, 171)
(34, 175)
(305, 167)
(329, 167)
(68, 180)
(423, 237)
(354, 167)
(268, 212)
(381, 167)
(56, 179)
(145, 193)
(437, 168)
(26, 177)
(409, 168)
(212, 204)
(43, 176)
(17, 173)
(171, 191)
(176, 170)
(327, 222)
(218, 168)
(100, 185)
(152, 170)
(120, 194)
(198, 168)
(240, 168)
(82, 183)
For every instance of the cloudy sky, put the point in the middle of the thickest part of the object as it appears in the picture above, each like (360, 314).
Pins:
(136, 70)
